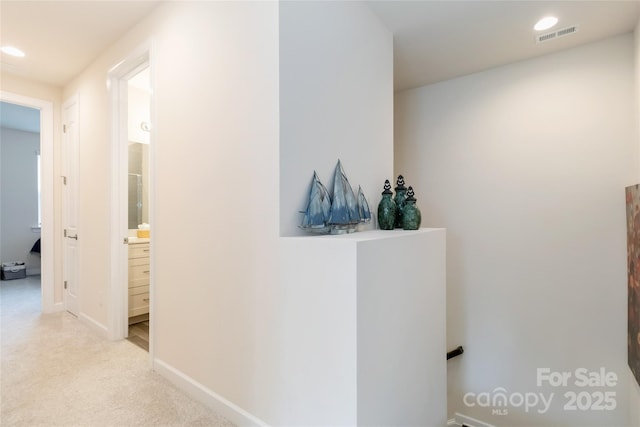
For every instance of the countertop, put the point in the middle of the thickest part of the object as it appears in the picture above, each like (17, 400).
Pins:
(137, 240)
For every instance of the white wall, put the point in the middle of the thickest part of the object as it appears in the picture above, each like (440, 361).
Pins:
(215, 68)
(19, 197)
(634, 388)
(525, 165)
(336, 101)
(139, 102)
(217, 193)
(215, 233)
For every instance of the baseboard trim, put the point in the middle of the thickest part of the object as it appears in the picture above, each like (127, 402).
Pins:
(94, 325)
(53, 308)
(202, 394)
(460, 420)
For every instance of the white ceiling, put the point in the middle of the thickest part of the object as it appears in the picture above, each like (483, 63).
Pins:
(434, 40)
(439, 40)
(61, 38)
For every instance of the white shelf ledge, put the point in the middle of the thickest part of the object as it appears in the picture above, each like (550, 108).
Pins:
(367, 235)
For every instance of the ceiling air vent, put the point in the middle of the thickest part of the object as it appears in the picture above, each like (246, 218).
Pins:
(556, 34)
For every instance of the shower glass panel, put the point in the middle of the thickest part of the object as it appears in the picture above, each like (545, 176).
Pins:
(135, 200)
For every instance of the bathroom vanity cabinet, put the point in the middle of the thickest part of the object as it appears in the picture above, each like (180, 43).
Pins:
(138, 279)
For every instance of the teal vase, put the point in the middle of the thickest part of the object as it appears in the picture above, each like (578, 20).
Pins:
(411, 216)
(401, 196)
(387, 209)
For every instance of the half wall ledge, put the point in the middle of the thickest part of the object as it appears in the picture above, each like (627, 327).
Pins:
(361, 328)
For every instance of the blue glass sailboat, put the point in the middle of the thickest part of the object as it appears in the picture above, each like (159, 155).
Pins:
(363, 207)
(338, 214)
(316, 215)
(345, 216)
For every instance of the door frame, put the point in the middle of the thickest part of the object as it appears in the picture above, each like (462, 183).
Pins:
(118, 77)
(47, 234)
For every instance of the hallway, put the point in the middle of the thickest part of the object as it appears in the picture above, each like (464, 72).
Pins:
(58, 372)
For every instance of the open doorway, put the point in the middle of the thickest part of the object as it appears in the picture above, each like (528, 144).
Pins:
(138, 183)
(20, 189)
(132, 149)
(27, 233)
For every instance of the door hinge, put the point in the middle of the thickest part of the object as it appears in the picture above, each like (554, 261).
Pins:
(64, 128)
(64, 180)
(65, 233)
(65, 284)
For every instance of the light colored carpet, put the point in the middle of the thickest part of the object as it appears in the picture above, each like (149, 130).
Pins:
(57, 372)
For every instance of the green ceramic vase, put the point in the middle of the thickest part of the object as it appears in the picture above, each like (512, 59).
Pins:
(387, 209)
(400, 197)
(411, 216)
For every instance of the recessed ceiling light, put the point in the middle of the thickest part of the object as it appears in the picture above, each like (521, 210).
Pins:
(13, 51)
(545, 23)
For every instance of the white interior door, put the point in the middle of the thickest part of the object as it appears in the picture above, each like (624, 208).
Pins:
(70, 252)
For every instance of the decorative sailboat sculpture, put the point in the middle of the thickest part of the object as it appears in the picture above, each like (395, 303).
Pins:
(344, 216)
(363, 207)
(339, 214)
(316, 216)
